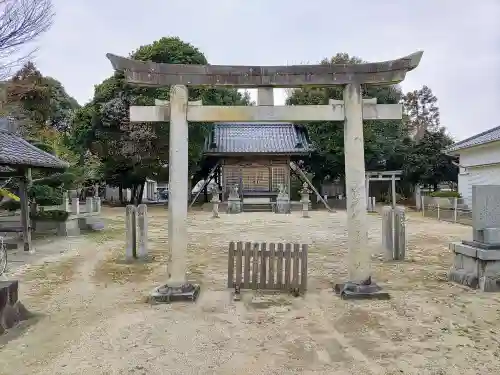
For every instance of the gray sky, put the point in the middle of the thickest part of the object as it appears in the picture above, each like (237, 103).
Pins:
(461, 40)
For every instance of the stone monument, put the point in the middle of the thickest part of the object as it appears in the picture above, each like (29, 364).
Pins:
(305, 200)
(215, 201)
(477, 262)
(282, 200)
(233, 201)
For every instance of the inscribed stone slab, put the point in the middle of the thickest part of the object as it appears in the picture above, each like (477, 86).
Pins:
(485, 206)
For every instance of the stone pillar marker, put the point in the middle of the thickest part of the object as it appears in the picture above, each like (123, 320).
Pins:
(399, 233)
(65, 202)
(130, 232)
(75, 206)
(215, 202)
(142, 226)
(387, 233)
(97, 204)
(305, 200)
(89, 204)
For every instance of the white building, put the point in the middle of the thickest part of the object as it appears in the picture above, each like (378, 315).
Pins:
(479, 161)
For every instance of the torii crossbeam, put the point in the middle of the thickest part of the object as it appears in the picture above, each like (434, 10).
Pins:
(352, 110)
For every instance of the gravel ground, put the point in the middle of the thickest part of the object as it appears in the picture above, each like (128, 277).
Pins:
(92, 318)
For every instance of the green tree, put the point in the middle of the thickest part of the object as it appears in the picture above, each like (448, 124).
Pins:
(421, 112)
(131, 152)
(427, 164)
(62, 105)
(37, 101)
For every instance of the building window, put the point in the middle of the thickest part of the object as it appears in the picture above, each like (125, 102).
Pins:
(231, 176)
(279, 177)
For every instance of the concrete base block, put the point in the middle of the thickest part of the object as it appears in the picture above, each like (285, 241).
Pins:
(464, 278)
(12, 311)
(68, 228)
(233, 206)
(476, 268)
(282, 207)
(10, 317)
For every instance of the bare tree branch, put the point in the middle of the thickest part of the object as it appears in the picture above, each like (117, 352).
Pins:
(21, 22)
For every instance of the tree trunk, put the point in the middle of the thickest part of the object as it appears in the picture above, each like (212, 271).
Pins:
(120, 194)
(140, 190)
(133, 195)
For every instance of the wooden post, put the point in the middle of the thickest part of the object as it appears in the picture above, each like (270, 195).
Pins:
(393, 188)
(455, 207)
(25, 218)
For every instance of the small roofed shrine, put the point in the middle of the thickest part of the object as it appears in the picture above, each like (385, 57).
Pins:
(255, 156)
(17, 158)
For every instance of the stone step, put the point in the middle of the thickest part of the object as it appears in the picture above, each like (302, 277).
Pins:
(257, 207)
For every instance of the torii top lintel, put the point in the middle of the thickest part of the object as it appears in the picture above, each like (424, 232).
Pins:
(147, 73)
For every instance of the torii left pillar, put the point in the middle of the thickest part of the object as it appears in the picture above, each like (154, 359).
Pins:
(177, 287)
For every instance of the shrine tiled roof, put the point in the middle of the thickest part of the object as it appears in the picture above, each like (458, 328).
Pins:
(491, 135)
(257, 138)
(17, 152)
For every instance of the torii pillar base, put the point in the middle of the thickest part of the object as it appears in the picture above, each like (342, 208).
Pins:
(370, 290)
(175, 293)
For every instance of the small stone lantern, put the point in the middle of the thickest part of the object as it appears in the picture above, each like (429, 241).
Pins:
(304, 193)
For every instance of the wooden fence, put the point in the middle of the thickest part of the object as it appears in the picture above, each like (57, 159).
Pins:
(267, 266)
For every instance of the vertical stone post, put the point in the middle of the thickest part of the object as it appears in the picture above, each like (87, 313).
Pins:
(387, 233)
(399, 233)
(418, 197)
(89, 204)
(142, 224)
(65, 202)
(97, 204)
(359, 257)
(178, 185)
(75, 206)
(130, 232)
(305, 200)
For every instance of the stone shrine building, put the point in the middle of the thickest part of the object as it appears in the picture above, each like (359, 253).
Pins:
(255, 156)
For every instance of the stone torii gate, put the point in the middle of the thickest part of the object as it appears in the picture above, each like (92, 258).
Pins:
(352, 110)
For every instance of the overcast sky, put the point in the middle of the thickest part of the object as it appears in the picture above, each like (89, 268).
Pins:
(460, 39)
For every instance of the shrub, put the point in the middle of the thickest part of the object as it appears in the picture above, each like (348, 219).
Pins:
(445, 194)
(11, 205)
(45, 195)
(56, 180)
(55, 215)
